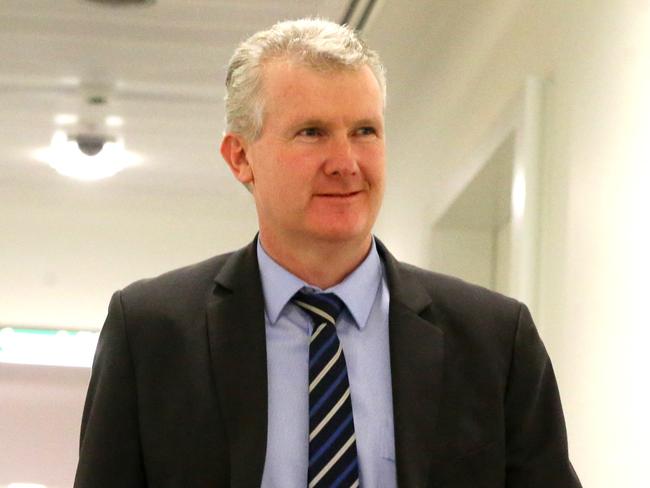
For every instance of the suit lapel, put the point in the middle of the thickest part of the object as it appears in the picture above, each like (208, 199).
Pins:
(237, 341)
(417, 352)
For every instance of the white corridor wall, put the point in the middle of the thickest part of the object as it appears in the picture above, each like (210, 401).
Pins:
(447, 89)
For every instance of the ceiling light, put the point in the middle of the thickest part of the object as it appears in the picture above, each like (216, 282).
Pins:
(25, 485)
(86, 157)
(47, 347)
(66, 119)
(114, 121)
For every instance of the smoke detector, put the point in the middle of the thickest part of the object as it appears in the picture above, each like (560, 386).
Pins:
(91, 144)
(87, 156)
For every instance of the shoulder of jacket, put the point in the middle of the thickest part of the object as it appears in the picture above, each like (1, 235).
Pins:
(453, 293)
(193, 280)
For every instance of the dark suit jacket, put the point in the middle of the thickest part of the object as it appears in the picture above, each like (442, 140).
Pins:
(178, 394)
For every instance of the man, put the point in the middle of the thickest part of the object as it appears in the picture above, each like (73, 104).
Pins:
(312, 357)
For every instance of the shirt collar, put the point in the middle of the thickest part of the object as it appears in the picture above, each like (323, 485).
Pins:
(357, 290)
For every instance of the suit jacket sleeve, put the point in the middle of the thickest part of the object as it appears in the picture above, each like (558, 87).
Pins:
(110, 452)
(536, 439)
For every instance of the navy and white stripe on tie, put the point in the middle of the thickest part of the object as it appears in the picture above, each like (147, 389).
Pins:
(332, 442)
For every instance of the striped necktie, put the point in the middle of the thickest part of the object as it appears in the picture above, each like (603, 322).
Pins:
(332, 442)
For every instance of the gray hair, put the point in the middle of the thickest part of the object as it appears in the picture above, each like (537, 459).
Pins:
(316, 43)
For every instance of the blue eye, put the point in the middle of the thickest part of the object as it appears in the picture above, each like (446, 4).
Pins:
(366, 131)
(309, 132)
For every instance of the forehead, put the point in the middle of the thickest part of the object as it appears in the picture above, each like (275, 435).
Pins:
(290, 87)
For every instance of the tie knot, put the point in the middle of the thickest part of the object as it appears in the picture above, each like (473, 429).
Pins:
(319, 305)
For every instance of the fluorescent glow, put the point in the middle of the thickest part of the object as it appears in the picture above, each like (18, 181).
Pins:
(47, 347)
(114, 121)
(66, 119)
(67, 159)
(518, 195)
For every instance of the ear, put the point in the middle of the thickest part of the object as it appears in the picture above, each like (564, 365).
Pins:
(233, 150)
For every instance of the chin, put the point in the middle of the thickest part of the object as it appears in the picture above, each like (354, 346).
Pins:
(339, 233)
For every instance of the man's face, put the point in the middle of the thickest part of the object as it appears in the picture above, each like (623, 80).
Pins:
(317, 170)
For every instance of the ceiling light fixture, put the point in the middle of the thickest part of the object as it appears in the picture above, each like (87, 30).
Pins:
(66, 119)
(87, 156)
(114, 121)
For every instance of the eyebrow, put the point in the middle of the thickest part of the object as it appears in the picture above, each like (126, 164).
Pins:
(370, 121)
(309, 123)
(314, 122)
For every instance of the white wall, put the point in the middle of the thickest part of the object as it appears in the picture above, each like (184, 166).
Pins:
(108, 240)
(40, 415)
(466, 253)
(446, 91)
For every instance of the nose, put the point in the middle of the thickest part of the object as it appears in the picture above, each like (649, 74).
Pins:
(340, 158)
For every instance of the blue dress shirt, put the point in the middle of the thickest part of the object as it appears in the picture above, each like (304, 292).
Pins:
(363, 331)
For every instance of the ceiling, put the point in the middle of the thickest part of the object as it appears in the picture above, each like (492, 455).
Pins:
(161, 66)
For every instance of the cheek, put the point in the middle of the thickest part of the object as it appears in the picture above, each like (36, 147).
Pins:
(296, 171)
(286, 185)
(375, 167)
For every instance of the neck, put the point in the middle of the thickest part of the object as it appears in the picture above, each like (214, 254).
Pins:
(321, 264)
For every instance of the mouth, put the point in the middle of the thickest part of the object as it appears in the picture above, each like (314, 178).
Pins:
(339, 195)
